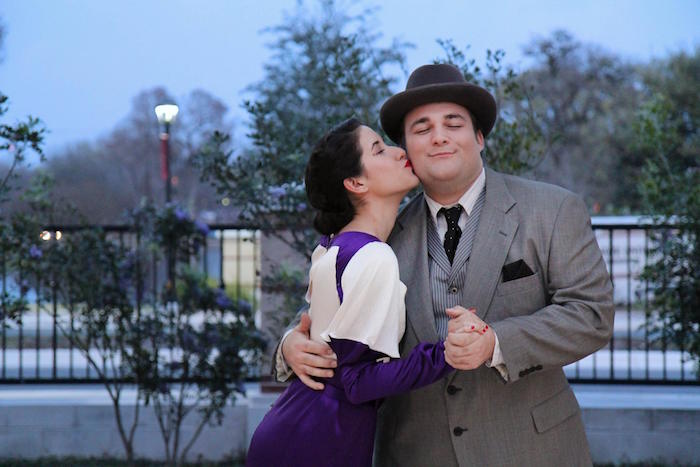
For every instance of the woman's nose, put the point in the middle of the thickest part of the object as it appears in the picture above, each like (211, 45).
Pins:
(400, 153)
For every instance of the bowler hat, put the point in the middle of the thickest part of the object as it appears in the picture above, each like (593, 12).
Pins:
(437, 83)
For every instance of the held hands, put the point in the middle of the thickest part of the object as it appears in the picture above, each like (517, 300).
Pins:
(308, 358)
(470, 341)
(469, 344)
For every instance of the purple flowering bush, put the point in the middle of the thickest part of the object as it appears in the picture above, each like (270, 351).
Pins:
(21, 255)
(199, 349)
(197, 344)
(15, 141)
(187, 346)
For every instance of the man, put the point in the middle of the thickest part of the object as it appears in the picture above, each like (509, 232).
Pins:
(522, 255)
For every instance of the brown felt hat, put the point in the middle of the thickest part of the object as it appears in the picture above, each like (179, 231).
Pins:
(437, 83)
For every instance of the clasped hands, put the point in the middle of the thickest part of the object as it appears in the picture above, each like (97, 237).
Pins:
(470, 343)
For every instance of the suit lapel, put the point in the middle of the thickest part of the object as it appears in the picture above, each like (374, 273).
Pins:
(409, 241)
(497, 227)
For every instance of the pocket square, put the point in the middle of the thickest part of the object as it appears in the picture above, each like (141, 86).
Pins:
(516, 270)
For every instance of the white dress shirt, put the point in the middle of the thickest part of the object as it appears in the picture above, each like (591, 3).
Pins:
(467, 201)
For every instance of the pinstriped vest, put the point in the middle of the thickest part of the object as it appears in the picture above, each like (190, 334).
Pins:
(447, 280)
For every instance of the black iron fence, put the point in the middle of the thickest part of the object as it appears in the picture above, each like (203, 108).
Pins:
(33, 351)
(639, 352)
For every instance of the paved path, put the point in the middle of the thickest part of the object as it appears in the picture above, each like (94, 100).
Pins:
(594, 396)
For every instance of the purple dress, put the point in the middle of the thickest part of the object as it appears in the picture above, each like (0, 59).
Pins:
(335, 426)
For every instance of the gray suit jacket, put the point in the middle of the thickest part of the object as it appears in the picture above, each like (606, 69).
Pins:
(561, 313)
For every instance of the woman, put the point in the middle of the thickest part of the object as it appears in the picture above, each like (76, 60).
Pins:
(356, 182)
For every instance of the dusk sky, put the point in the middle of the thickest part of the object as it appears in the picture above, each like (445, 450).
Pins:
(77, 64)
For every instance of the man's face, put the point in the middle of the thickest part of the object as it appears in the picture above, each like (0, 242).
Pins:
(443, 148)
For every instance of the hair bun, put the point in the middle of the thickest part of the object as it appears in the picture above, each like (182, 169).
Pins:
(335, 157)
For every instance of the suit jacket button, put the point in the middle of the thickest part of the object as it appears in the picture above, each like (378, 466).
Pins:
(452, 390)
(458, 430)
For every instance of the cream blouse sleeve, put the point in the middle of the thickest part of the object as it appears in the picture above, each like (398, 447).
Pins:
(373, 310)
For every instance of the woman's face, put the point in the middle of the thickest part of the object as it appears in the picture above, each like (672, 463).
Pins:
(386, 170)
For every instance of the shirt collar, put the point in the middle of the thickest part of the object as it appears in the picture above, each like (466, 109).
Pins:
(467, 200)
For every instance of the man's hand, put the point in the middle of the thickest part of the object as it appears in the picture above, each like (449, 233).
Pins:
(306, 357)
(470, 341)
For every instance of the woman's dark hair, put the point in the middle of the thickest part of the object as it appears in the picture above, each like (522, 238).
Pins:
(335, 157)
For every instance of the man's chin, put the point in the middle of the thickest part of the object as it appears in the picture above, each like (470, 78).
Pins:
(443, 177)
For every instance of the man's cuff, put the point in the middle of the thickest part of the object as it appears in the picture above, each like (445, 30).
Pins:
(496, 359)
(282, 370)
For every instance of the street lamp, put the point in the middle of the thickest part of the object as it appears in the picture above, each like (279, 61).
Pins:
(166, 114)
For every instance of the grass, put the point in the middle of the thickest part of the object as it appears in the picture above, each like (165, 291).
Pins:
(107, 462)
(238, 462)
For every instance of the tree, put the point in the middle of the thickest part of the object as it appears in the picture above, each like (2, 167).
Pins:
(670, 87)
(326, 66)
(667, 134)
(15, 141)
(124, 166)
(584, 98)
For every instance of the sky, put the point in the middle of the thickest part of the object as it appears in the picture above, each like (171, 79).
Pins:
(77, 64)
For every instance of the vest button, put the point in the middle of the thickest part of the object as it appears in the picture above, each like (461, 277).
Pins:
(452, 390)
(453, 289)
(459, 430)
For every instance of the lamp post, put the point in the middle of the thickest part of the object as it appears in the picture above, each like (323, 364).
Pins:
(166, 114)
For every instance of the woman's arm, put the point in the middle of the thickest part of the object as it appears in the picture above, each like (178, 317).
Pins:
(365, 381)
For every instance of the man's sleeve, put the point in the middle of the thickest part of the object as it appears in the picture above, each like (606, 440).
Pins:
(497, 359)
(280, 370)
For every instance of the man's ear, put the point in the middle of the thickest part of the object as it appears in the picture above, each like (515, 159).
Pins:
(355, 185)
(480, 140)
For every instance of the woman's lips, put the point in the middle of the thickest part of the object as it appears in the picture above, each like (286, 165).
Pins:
(408, 163)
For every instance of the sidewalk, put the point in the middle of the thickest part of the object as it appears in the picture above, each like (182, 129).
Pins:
(623, 396)
(590, 396)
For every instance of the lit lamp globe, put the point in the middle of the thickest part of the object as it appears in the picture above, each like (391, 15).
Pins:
(166, 113)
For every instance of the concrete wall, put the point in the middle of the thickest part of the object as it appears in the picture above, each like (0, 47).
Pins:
(90, 431)
(635, 435)
(671, 435)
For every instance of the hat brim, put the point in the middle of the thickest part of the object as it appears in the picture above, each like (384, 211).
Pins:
(474, 98)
